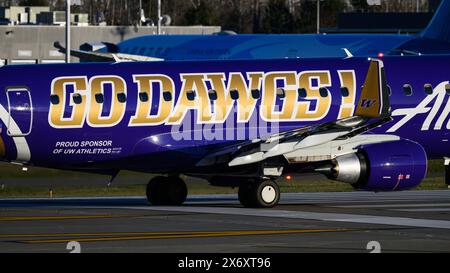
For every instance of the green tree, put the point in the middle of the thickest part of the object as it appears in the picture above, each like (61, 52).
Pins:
(277, 18)
(329, 12)
(306, 17)
(202, 14)
(360, 5)
(305, 21)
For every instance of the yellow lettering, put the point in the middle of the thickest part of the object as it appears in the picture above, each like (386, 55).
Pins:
(117, 111)
(56, 112)
(201, 103)
(143, 109)
(323, 104)
(224, 103)
(270, 111)
(348, 81)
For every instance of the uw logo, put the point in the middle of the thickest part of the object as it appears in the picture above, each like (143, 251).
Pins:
(365, 103)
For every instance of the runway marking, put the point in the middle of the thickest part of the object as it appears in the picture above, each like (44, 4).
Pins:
(178, 235)
(393, 206)
(334, 217)
(423, 210)
(103, 234)
(75, 217)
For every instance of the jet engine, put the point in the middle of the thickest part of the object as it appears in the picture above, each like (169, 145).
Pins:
(388, 166)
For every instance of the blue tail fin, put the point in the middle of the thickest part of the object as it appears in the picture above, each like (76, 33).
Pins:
(439, 27)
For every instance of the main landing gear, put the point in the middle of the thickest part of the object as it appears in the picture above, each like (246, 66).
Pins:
(172, 191)
(166, 191)
(260, 194)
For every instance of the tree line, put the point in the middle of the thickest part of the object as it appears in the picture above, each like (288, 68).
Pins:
(242, 16)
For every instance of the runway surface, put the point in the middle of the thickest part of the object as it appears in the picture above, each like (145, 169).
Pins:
(412, 221)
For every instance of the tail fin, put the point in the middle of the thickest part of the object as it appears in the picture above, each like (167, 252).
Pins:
(439, 27)
(374, 99)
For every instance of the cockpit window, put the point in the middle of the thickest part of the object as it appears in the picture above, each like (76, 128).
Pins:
(447, 88)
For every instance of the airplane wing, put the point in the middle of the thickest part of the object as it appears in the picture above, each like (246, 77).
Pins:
(323, 141)
(106, 57)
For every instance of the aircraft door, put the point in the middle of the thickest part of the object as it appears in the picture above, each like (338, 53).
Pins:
(20, 109)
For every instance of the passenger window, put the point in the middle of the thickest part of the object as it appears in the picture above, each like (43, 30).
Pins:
(143, 96)
(428, 88)
(190, 95)
(344, 91)
(281, 93)
(302, 93)
(407, 89)
(77, 99)
(234, 94)
(167, 96)
(256, 94)
(212, 94)
(447, 88)
(323, 91)
(389, 90)
(99, 98)
(122, 97)
(54, 99)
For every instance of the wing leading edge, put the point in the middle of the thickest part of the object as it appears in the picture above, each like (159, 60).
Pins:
(106, 57)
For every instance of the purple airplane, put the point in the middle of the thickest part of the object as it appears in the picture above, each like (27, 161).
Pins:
(245, 123)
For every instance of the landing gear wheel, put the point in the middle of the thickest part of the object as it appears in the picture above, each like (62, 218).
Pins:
(154, 190)
(261, 194)
(244, 195)
(168, 191)
(176, 191)
(267, 194)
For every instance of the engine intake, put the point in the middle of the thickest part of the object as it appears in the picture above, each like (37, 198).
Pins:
(388, 166)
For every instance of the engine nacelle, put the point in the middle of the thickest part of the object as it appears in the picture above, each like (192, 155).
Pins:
(388, 166)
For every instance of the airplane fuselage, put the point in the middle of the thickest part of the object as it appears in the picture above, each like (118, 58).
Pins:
(166, 116)
(261, 46)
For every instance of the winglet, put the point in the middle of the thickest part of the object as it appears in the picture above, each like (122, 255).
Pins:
(374, 99)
